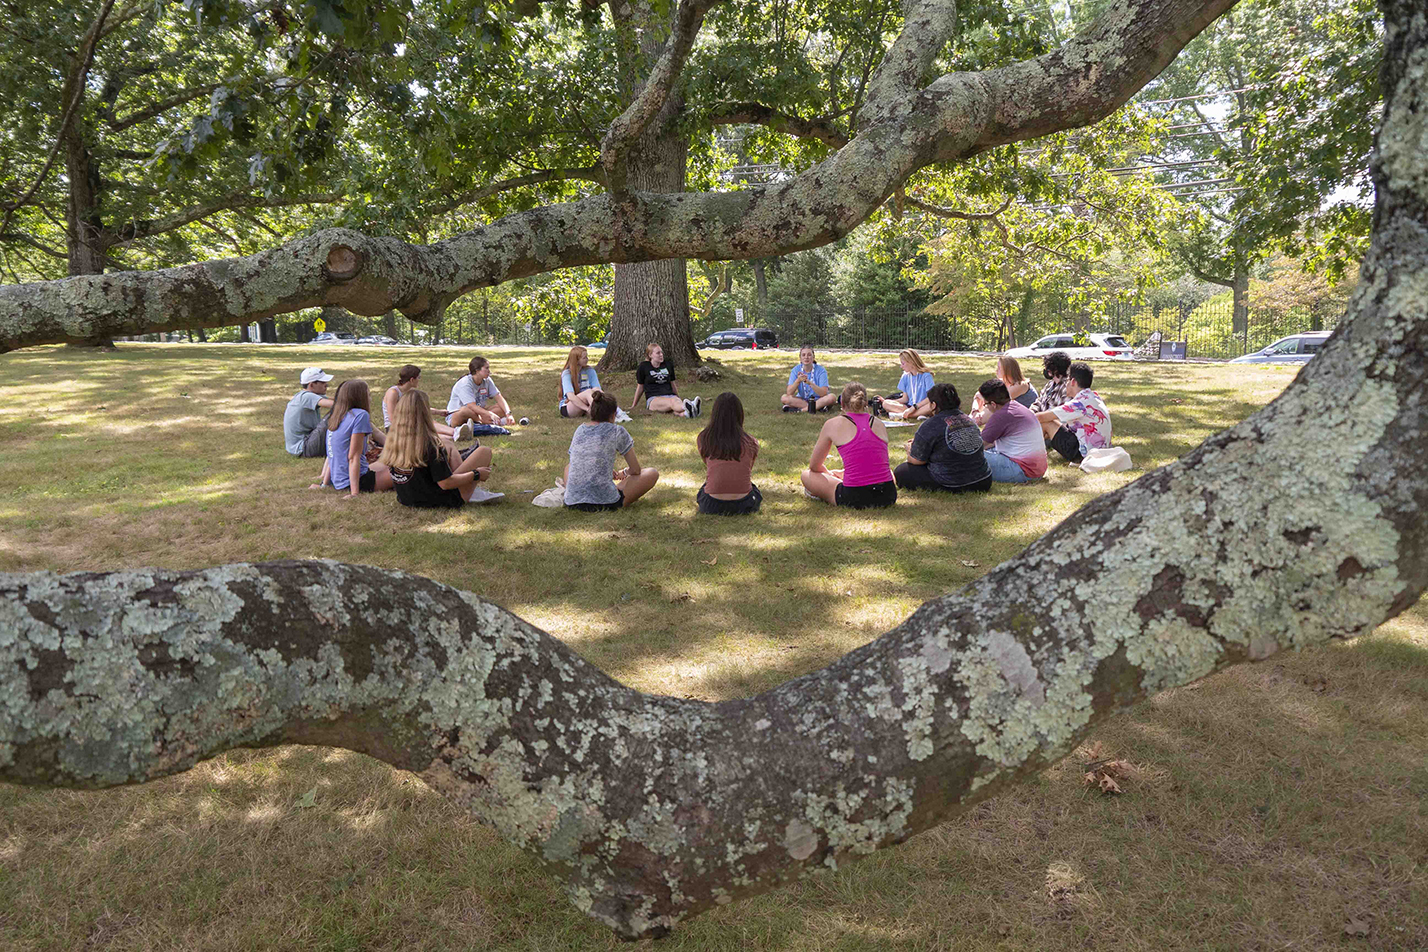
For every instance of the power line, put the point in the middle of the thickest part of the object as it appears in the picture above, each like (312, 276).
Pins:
(1226, 92)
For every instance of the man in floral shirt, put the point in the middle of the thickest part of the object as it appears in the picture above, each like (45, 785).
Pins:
(1082, 423)
(1053, 393)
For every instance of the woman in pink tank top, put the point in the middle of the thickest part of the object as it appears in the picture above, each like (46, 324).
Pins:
(866, 479)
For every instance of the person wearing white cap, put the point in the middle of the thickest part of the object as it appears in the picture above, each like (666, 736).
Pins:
(303, 432)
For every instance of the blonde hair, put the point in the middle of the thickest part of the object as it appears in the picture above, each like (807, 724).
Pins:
(911, 357)
(1009, 370)
(854, 398)
(650, 349)
(411, 433)
(351, 395)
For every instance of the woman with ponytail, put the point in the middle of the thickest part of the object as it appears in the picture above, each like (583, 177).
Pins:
(866, 480)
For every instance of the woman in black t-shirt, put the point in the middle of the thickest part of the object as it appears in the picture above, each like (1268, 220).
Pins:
(655, 380)
(427, 471)
(946, 453)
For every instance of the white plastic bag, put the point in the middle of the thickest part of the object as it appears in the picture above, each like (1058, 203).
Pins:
(621, 416)
(552, 498)
(1106, 459)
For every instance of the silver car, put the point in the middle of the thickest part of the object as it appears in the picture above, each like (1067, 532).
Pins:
(1295, 349)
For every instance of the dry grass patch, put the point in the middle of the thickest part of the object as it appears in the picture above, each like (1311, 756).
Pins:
(1265, 808)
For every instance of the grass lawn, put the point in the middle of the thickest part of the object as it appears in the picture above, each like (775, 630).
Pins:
(1268, 807)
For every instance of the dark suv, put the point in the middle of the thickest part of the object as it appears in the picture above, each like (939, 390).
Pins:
(749, 338)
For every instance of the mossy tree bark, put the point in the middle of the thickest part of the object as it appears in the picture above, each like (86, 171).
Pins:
(654, 808)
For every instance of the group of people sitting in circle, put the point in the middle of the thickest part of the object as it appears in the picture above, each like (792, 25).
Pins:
(1003, 437)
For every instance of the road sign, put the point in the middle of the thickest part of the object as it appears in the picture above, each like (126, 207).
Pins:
(738, 315)
(319, 325)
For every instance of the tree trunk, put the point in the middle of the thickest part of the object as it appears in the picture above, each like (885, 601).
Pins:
(1239, 317)
(761, 290)
(389, 324)
(651, 298)
(85, 238)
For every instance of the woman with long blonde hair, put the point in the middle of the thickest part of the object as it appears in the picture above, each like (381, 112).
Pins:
(909, 401)
(427, 470)
(349, 426)
(578, 383)
(866, 479)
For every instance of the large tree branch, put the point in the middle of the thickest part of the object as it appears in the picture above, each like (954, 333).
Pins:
(161, 107)
(927, 26)
(627, 128)
(757, 114)
(1094, 73)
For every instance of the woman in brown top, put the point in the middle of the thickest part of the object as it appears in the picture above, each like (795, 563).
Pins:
(729, 455)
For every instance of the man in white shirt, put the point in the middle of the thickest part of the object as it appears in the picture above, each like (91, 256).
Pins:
(476, 398)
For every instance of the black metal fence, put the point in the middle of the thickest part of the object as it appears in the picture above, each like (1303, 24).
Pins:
(1208, 328)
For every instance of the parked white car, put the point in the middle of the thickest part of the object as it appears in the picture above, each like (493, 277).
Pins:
(1102, 347)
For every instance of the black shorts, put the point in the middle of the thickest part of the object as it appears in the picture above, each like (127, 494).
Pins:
(599, 506)
(744, 506)
(876, 496)
(562, 410)
(367, 482)
(1064, 442)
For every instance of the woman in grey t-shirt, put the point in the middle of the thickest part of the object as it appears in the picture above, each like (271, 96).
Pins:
(591, 482)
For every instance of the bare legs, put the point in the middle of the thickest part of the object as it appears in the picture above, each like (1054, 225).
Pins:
(666, 405)
(479, 461)
(633, 487)
(824, 485)
(579, 405)
(472, 413)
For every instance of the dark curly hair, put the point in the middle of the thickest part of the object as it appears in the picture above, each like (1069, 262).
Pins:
(1055, 364)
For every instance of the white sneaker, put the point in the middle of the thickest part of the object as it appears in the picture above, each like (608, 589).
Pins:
(463, 432)
(621, 416)
(479, 495)
(809, 495)
(695, 404)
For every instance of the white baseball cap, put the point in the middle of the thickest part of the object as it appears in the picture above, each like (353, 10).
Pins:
(312, 375)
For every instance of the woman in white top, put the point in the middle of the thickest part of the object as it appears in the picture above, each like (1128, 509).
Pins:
(409, 379)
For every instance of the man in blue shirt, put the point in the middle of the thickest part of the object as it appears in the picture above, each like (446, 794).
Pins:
(807, 390)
